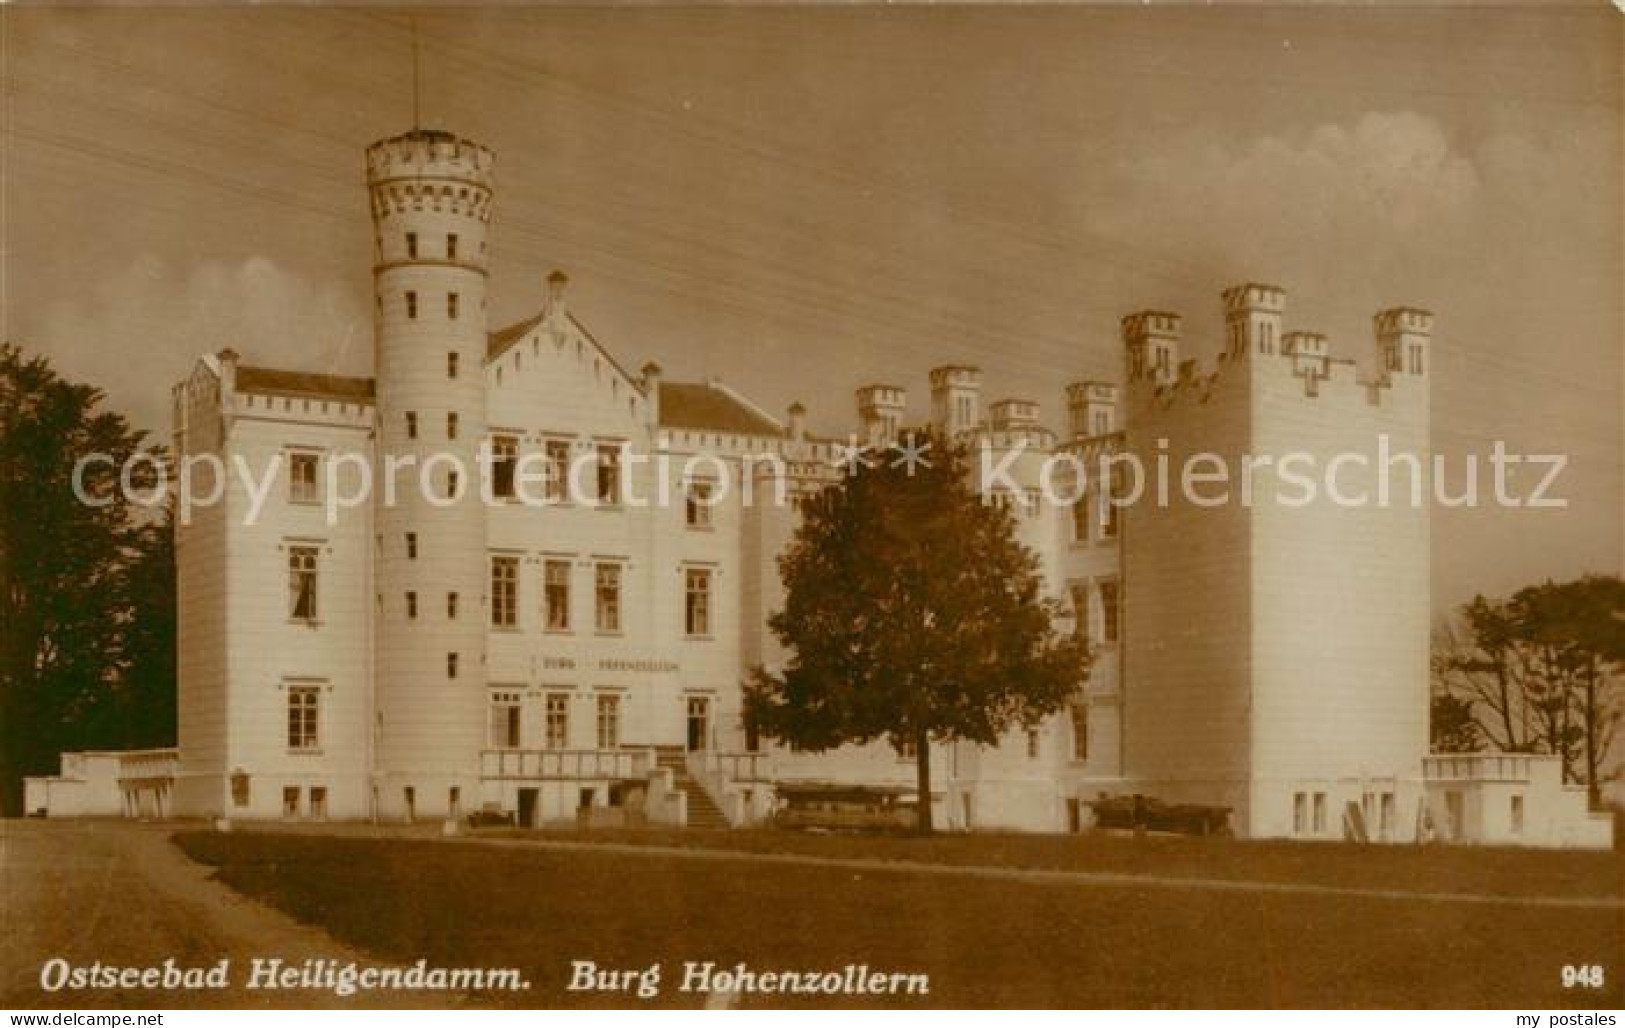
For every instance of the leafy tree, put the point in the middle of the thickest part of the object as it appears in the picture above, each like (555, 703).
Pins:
(81, 584)
(1451, 725)
(1539, 672)
(912, 615)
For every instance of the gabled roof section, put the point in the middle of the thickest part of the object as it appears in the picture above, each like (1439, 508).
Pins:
(300, 383)
(712, 407)
(499, 342)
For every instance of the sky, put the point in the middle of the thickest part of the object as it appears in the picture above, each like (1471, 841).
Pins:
(805, 200)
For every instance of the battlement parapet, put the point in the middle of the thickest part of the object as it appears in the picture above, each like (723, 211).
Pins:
(427, 153)
(430, 170)
(964, 376)
(1013, 414)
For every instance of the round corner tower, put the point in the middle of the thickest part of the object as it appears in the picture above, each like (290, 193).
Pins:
(431, 208)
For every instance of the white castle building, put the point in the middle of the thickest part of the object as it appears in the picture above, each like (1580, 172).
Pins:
(424, 657)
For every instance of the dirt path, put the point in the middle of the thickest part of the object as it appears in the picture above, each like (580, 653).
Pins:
(122, 894)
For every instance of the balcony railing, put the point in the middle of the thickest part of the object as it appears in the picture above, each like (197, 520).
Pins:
(566, 765)
(1478, 767)
(744, 767)
(148, 764)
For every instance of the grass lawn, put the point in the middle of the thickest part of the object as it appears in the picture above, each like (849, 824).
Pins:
(1453, 869)
(984, 942)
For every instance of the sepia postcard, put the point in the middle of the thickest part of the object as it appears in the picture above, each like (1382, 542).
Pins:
(862, 506)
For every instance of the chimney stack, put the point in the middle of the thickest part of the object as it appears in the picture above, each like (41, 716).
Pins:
(651, 392)
(556, 283)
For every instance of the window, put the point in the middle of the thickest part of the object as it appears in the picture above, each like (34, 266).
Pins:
(454, 802)
(607, 587)
(302, 478)
(1110, 610)
(1033, 743)
(504, 462)
(451, 246)
(451, 606)
(1516, 813)
(558, 470)
(451, 425)
(1416, 359)
(505, 592)
(697, 504)
(411, 304)
(609, 722)
(1103, 422)
(451, 364)
(302, 583)
(1300, 812)
(290, 801)
(451, 665)
(609, 473)
(411, 604)
(240, 790)
(453, 482)
(410, 796)
(697, 608)
(451, 309)
(318, 802)
(1320, 813)
(558, 720)
(411, 546)
(1080, 731)
(504, 720)
(1080, 610)
(698, 710)
(1110, 512)
(412, 245)
(411, 424)
(556, 598)
(1080, 517)
(304, 707)
(1385, 814)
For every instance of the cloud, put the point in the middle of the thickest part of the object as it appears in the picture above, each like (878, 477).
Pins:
(1368, 193)
(151, 320)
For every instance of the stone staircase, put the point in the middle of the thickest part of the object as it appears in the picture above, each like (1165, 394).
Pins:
(702, 810)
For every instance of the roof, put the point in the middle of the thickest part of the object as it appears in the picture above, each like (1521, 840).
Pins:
(711, 407)
(300, 383)
(502, 338)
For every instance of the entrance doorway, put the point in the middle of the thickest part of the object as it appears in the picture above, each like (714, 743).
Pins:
(527, 807)
(699, 722)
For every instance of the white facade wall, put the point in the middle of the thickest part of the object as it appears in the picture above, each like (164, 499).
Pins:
(1268, 658)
